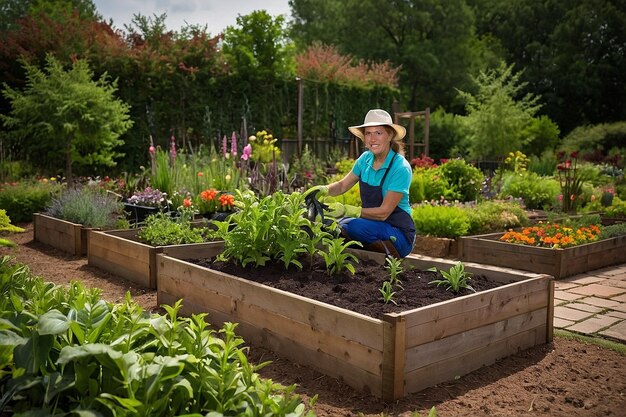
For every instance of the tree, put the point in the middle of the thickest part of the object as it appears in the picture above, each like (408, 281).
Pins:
(66, 116)
(496, 118)
(13, 10)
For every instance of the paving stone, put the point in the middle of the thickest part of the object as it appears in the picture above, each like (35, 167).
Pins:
(562, 323)
(560, 285)
(566, 295)
(570, 313)
(585, 307)
(583, 279)
(597, 290)
(617, 331)
(618, 314)
(600, 302)
(620, 298)
(615, 283)
(594, 324)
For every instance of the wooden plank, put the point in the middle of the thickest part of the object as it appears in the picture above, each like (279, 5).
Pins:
(468, 341)
(443, 327)
(438, 372)
(120, 245)
(348, 324)
(460, 305)
(394, 334)
(290, 348)
(550, 318)
(194, 250)
(59, 234)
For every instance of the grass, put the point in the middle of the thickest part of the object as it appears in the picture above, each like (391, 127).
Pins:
(597, 341)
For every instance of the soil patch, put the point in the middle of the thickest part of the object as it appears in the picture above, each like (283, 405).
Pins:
(566, 378)
(359, 292)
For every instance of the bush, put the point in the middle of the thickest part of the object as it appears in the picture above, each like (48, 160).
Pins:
(536, 191)
(598, 143)
(440, 221)
(24, 199)
(464, 179)
(495, 216)
(89, 206)
(617, 208)
(614, 230)
(428, 185)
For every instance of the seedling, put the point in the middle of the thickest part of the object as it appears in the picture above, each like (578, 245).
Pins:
(455, 279)
(394, 266)
(387, 292)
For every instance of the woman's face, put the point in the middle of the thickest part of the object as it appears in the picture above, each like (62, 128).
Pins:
(377, 140)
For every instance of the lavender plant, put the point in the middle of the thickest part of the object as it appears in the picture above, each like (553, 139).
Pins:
(89, 206)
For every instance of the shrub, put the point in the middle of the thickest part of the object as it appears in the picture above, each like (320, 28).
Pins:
(23, 199)
(429, 185)
(495, 216)
(464, 179)
(598, 143)
(89, 206)
(613, 230)
(6, 226)
(440, 221)
(536, 191)
(617, 208)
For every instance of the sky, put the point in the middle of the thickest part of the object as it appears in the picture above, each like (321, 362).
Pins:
(216, 14)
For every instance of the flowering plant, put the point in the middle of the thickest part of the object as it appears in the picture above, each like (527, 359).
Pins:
(571, 184)
(186, 210)
(264, 147)
(553, 235)
(149, 197)
(211, 201)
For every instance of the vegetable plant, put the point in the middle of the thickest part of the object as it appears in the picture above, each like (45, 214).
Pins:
(161, 229)
(387, 292)
(335, 256)
(394, 267)
(455, 279)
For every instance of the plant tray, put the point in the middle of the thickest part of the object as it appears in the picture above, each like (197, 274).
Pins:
(121, 253)
(389, 357)
(559, 263)
(69, 237)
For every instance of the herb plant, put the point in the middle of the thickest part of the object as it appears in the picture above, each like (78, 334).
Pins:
(89, 206)
(394, 267)
(161, 229)
(455, 279)
(387, 292)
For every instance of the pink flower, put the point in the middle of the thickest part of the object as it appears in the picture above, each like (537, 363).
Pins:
(233, 145)
(247, 152)
(173, 146)
(224, 145)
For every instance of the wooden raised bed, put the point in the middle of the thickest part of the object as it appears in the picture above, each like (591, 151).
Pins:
(61, 234)
(389, 357)
(121, 253)
(560, 263)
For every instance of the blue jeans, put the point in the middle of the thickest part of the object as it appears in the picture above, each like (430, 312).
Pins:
(369, 231)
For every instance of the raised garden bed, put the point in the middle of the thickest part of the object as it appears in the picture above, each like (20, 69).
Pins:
(61, 234)
(122, 253)
(390, 357)
(560, 263)
(438, 247)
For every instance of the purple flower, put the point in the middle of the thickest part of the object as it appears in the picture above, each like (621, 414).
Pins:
(173, 147)
(224, 145)
(247, 152)
(233, 145)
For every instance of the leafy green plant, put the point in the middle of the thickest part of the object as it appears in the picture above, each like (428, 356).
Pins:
(335, 256)
(464, 179)
(495, 216)
(86, 205)
(394, 267)
(67, 349)
(440, 221)
(387, 292)
(536, 191)
(5, 224)
(455, 279)
(162, 229)
(25, 198)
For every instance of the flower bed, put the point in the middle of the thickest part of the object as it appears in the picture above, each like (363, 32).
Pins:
(122, 253)
(61, 234)
(560, 263)
(390, 357)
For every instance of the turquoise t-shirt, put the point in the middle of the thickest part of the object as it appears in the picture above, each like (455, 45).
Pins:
(398, 179)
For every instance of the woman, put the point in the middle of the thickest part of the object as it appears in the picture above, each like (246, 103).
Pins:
(384, 224)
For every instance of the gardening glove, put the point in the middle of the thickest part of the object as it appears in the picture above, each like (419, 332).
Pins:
(317, 191)
(339, 210)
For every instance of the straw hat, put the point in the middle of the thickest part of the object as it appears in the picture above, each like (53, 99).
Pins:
(377, 117)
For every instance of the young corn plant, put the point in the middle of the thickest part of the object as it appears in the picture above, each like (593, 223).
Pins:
(335, 256)
(455, 279)
(387, 292)
(394, 267)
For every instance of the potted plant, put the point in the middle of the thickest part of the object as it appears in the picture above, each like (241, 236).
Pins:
(144, 203)
(67, 221)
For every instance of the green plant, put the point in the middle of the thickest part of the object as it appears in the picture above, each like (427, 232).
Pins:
(5, 224)
(455, 279)
(394, 267)
(335, 256)
(427, 184)
(440, 221)
(613, 230)
(117, 359)
(571, 182)
(23, 199)
(464, 179)
(495, 216)
(387, 292)
(537, 192)
(161, 229)
(86, 205)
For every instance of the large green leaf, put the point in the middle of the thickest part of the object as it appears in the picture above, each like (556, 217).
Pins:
(53, 323)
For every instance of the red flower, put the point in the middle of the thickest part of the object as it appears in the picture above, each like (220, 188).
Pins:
(574, 154)
(187, 202)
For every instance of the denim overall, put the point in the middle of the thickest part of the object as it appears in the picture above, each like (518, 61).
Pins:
(372, 196)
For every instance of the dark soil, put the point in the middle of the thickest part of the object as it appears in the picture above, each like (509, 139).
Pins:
(565, 378)
(359, 292)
